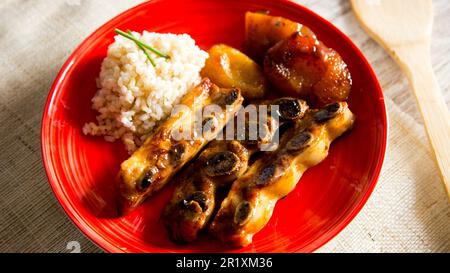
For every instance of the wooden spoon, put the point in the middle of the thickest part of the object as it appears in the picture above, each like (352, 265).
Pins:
(403, 28)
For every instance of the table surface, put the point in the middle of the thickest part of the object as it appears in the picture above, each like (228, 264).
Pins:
(67, 23)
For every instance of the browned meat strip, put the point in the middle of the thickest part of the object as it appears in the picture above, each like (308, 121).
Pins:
(162, 155)
(252, 198)
(221, 163)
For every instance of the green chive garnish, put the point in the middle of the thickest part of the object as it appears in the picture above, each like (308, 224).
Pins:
(144, 45)
(143, 49)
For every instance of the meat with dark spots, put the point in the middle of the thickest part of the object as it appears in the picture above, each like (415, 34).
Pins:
(176, 152)
(165, 152)
(252, 197)
(299, 141)
(242, 213)
(291, 108)
(198, 197)
(326, 113)
(222, 163)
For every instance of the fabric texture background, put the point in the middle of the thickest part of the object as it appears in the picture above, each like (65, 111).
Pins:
(408, 211)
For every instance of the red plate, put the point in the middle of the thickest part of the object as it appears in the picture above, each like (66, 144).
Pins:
(81, 169)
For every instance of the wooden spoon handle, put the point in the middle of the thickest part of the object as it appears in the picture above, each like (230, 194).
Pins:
(415, 61)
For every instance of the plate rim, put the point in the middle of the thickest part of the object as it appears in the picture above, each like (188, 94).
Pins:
(107, 246)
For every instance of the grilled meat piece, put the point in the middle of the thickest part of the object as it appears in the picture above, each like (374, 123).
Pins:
(222, 162)
(219, 164)
(252, 198)
(166, 151)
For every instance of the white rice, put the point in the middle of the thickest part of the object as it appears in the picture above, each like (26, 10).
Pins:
(133, 95)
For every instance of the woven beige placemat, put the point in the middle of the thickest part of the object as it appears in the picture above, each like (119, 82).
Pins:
(407, 212)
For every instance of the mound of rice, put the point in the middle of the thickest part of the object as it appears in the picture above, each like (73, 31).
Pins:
(133, 95)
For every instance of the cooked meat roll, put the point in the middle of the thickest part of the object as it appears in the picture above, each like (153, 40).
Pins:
(165, 152)
(223, 161)
(252, 198)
